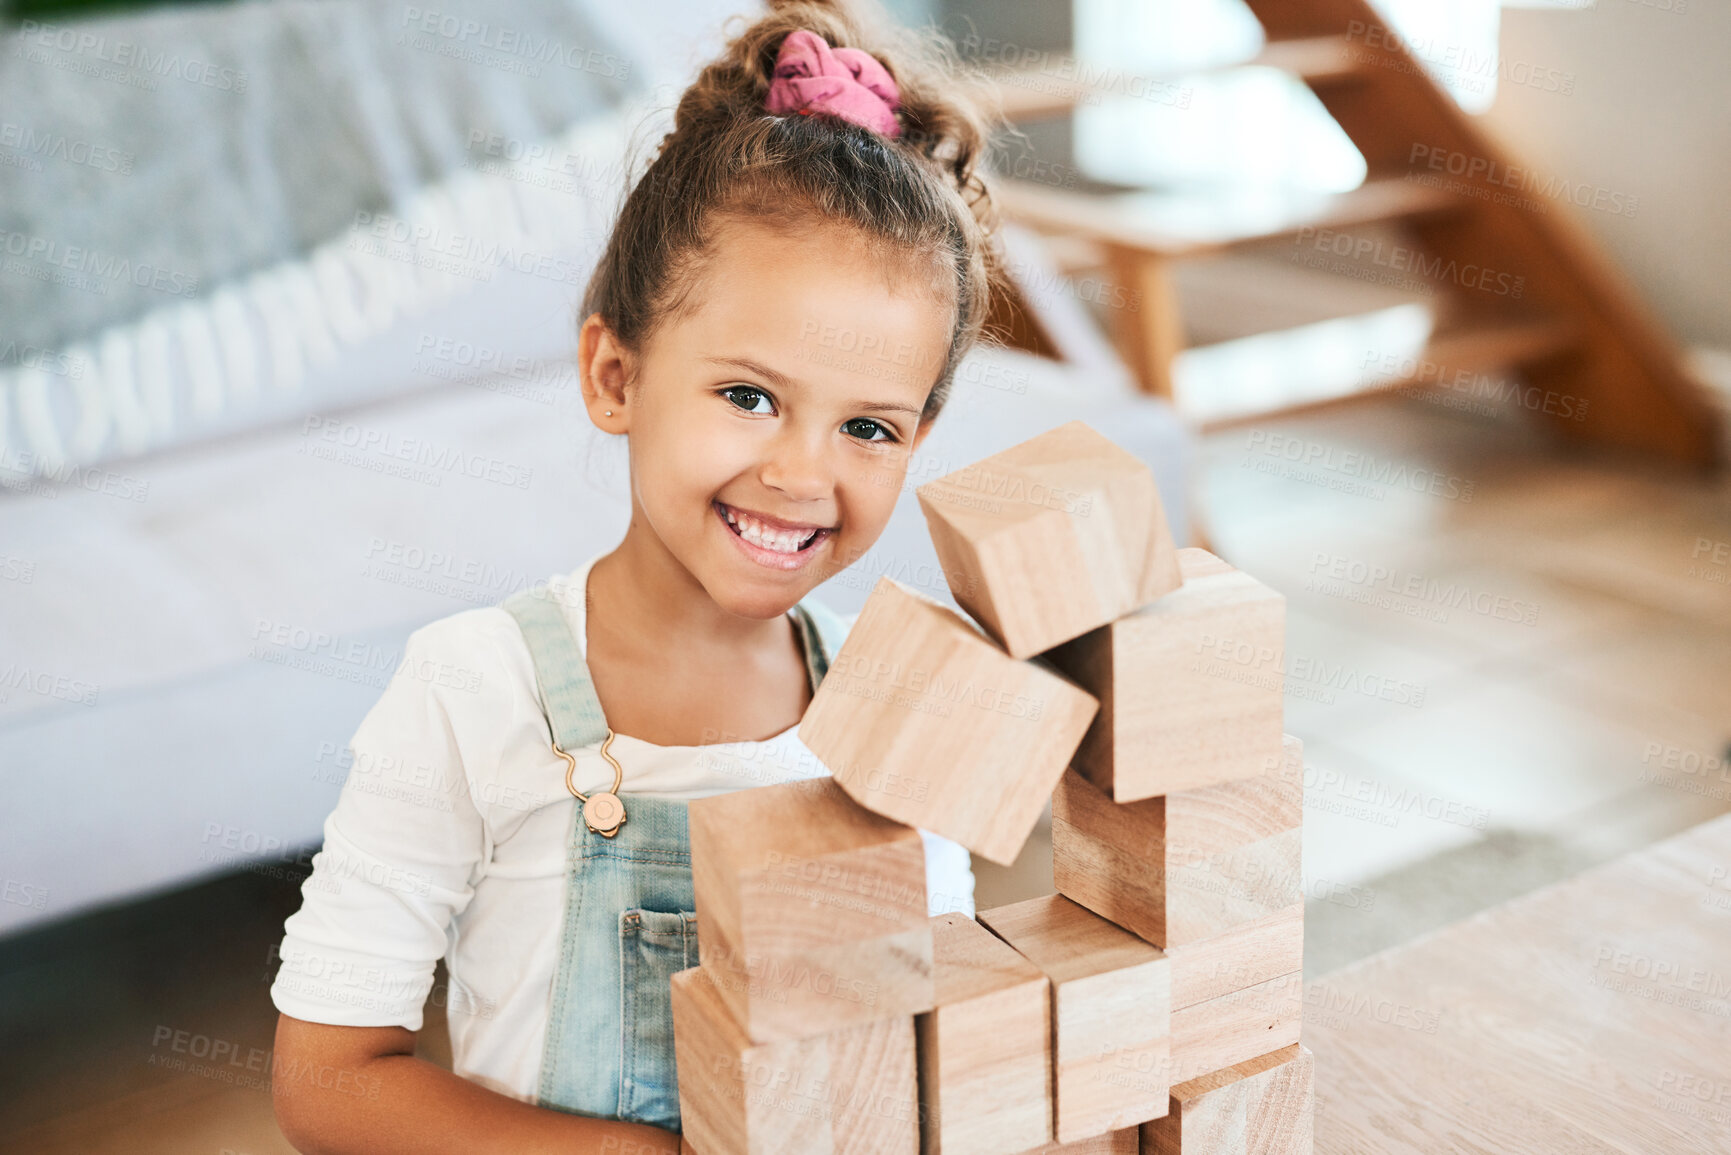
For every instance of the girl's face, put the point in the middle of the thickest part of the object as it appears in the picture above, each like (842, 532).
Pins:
(771, 422)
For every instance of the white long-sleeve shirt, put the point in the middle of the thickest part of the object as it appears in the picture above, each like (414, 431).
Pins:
(449, 841)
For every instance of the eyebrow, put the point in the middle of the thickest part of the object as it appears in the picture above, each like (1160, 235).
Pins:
(781, 380)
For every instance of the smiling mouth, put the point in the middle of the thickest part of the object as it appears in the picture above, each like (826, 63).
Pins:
(763, 535)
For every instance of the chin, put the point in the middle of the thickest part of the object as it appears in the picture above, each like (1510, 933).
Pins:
(760, 600)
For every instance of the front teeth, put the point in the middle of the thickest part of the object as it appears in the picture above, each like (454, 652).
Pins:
(761, 535)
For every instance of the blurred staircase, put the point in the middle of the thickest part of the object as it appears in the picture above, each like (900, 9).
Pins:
(1500, 287)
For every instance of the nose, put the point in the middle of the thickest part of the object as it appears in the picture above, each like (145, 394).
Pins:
(798, 466)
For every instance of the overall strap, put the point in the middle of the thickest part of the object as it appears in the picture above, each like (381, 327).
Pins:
(560, 672)
(563, 676)
(822, 630)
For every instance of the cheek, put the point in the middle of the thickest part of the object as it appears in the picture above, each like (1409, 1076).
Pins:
(687, 456)
(872, 490)
(714, 453)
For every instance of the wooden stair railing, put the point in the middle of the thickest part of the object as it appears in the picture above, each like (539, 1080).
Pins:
(1061, 82)
(1575, 330)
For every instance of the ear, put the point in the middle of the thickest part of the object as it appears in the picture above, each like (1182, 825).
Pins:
(604, 366)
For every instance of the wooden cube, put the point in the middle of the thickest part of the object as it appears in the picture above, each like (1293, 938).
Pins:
(1111, 1013)
(854, 1090)
(1187, 866)
(1248, 954)
(811, 909)
(1189, 686)
(1051, 538)
(1232, 1028)
(925, 720)
(1124, 1142)
(1264, 1106)
(986, 1048)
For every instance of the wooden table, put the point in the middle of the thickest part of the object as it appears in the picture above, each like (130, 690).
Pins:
(1591, 1016)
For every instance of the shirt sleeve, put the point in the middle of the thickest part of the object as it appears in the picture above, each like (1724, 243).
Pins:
(949, 876)
(405, 844)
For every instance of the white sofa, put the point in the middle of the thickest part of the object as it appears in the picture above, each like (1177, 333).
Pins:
(190, 634)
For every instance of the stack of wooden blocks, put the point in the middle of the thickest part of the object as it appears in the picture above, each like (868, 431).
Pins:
(1153, 1003)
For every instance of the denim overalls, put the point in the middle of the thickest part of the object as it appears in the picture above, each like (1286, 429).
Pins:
(629, 921)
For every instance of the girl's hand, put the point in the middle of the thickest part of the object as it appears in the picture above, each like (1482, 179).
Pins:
(362, 1091)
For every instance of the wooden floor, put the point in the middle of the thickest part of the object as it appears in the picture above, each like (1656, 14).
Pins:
(1505, 666)
(1593, 1015)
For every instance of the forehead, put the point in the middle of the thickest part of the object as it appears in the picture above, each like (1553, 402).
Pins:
(820, 302)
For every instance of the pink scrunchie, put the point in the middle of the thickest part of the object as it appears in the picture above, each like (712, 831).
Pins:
(810, 76)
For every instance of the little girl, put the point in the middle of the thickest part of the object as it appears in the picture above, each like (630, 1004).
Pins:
(529, 825)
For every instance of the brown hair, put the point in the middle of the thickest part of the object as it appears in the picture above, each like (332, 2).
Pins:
(917, 196)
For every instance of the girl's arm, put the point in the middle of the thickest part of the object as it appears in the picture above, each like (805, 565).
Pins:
(402, 852)
(362, 1091)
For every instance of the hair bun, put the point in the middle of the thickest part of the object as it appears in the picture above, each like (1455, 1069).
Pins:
(943, 111)
(850, 83)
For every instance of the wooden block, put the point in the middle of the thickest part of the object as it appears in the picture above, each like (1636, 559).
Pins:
(925, 720)
(1189, 686)
(1216, 1033)
(1124, 1142)
(811, 909)
(1248, 954)
(1188, 866)
(849, 1091)
(1111, 1013)
(1264, 1106)
(1051, 538)
(986, 1048)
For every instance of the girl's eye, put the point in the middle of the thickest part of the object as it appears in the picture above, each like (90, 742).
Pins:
(748, 398)
(865, 429)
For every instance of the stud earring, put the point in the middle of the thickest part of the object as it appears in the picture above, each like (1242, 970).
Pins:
(610, 413)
